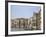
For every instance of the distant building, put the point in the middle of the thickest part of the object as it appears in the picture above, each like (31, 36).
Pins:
(13, 23)
(21, 23)
(29, 23)
(26, 23)
(36, 21)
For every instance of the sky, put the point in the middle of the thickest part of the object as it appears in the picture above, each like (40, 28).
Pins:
(23, 11)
